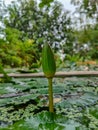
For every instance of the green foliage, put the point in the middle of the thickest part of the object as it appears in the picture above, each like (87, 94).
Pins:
(87, 25)
(87, 7)
(46, 121)
(74, 58)
(45, 3)
(15, 52)
(89, 37)
(77, 105)
(27, 21)
(40, 24)
(6, 78)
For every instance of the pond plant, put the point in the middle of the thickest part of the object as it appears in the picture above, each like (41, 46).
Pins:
(49, 69)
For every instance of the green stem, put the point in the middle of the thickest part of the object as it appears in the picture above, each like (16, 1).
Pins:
(51, 109)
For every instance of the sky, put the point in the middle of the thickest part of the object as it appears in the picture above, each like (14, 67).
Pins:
(66, 4)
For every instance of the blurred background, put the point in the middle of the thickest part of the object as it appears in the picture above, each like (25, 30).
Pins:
(70, 27)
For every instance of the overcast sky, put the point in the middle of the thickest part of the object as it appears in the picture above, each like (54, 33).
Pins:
(67, 4)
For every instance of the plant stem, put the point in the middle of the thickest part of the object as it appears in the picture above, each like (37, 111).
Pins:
(51, 109)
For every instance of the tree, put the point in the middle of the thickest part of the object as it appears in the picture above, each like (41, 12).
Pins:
(17, 53)
(88, 7)
(2, 16)
(87, 33)
(43, 24)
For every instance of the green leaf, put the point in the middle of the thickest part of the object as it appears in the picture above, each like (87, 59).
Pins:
(45, 3)
(45, 121)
